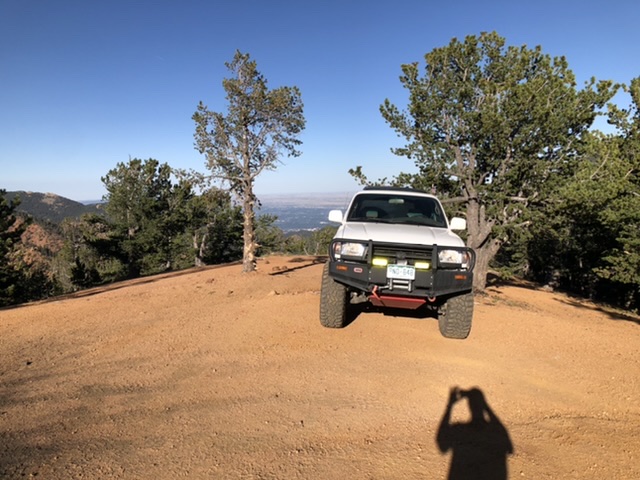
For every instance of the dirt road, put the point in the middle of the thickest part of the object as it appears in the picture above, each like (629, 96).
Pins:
(215, 374)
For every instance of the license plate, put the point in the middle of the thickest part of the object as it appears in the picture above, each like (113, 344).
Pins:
(402, 272)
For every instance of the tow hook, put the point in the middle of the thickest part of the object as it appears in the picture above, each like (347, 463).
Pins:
(357, 298)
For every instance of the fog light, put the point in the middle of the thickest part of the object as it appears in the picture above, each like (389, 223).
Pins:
(422, 265)
(379, 262)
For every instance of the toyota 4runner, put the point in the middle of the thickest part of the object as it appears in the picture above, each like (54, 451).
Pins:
(395, 249)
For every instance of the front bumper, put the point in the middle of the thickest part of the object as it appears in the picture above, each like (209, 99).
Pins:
(436, 280)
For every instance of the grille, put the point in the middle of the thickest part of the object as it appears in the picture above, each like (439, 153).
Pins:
(411, 254)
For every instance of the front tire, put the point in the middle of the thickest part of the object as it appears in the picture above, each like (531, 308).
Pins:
(333, 301)
(455, 318)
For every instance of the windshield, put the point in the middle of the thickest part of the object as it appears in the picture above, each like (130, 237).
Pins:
(397, 208)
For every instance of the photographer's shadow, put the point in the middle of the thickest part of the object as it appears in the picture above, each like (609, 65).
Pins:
(480, 446)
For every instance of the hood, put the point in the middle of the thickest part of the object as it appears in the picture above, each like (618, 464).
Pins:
(397, 233)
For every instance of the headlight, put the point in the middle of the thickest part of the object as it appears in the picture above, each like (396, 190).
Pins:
(349, 249)
(450, 256)
(456, 257)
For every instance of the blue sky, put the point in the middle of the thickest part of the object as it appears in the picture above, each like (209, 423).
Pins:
(87, 84)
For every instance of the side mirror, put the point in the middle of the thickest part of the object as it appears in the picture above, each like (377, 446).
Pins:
(458, 223)
(335, 216)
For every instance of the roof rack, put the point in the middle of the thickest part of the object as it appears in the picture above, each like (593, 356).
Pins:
(396, 189)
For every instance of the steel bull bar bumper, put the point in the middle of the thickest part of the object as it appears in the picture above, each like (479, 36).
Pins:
(404, 275)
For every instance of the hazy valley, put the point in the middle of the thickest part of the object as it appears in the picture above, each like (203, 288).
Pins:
(295, 212)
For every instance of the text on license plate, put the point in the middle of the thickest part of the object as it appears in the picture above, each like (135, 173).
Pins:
(403, 272)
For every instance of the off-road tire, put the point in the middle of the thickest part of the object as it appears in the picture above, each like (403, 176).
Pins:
(455, 316)
(333, 301)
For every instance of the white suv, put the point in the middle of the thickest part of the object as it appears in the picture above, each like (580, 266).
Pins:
(395, 249)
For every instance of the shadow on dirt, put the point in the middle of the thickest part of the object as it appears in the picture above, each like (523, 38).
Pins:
(495, 282)
(45, 431)
(612, 314)
(121, 284)
(479, 447)
(304, 263)
(24, 449)
(355, 310)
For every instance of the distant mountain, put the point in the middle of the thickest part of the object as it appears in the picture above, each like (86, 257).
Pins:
(48, 206)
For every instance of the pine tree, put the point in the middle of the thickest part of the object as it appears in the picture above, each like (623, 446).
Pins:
(492, 128)
(260, 125)
(11, 230)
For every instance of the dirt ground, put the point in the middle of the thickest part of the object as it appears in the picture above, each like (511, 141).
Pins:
(214, 374)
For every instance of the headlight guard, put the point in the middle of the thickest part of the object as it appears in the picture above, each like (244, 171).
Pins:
(454, 258)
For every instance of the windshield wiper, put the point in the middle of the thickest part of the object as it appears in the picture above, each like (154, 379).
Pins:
(378, 220)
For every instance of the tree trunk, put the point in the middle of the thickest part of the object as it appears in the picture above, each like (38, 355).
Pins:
(249, 251)
(484, 255)
(481, 239)
(198, 248)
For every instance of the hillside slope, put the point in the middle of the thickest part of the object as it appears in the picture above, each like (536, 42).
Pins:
(214, 374)
(51, 207)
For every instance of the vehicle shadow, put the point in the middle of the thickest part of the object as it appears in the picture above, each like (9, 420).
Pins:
(480, 446)
(357, 309)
